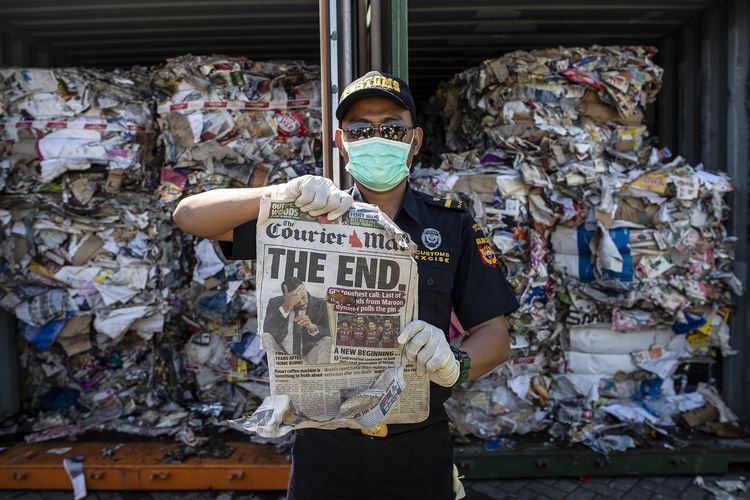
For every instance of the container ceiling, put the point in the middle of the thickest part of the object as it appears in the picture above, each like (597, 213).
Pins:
(445, 36)
(125, 33)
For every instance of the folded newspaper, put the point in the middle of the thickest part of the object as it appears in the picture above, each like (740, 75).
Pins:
(332, 299)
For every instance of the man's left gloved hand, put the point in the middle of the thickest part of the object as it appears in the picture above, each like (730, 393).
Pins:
(427, 345)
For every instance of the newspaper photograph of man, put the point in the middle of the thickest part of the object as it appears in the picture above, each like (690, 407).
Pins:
(359, 331)
(298, 322)
(344, 333)
(389, 334)
(372, 338)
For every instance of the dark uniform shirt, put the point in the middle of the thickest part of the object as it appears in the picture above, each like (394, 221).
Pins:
(457, 268)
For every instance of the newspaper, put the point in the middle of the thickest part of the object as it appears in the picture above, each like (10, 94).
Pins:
(332, 299)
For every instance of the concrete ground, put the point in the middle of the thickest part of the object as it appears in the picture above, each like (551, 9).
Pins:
(599, 488)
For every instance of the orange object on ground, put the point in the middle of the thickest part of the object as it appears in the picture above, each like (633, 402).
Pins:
(137, 466)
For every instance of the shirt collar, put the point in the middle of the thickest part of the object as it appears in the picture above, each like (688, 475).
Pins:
(408, 204)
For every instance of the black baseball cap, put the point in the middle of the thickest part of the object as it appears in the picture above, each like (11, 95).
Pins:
(376, 84)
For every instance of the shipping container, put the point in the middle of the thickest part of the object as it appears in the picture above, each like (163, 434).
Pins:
(700, 113)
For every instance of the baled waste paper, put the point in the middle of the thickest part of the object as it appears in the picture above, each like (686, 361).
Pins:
(617, 248)
(125, 323)
(233, 122)
(76, 131)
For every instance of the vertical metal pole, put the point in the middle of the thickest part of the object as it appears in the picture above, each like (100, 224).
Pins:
(10, 384)
(346, 75)
(363, 57)
(329, 86)
(3, 59)
(713, 95)
(346, 47)
(667, 101)
(736, 369)
(689, 144)
(334, 51)
(400, 39)
(376, 35)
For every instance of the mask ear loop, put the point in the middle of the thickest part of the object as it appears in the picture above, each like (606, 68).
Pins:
(411, 143)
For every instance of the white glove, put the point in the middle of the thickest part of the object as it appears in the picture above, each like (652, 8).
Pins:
(316, 195)
(427, 345)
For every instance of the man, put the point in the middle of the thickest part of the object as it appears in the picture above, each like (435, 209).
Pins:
(344, 333)
(358, 333)
(373, 335)
(457, 271)
(388, 338)
(296, 321)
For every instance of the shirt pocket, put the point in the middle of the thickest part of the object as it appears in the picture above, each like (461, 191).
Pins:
(435, 287)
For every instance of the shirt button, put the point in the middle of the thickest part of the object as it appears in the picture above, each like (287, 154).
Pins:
(430, 281)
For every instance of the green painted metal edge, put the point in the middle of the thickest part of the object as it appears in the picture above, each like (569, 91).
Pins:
(713, 457)
(400, 39)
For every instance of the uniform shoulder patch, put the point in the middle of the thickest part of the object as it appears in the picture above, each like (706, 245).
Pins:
(447, 203)
(487, 256)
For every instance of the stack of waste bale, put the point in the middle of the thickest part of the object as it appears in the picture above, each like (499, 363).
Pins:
(86, 290)
(125, 323)
(77, 131)
(233, 122)
(230, 122)
(617, 250)
(81, 248)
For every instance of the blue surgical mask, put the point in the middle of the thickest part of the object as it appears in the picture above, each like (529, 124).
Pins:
(379, 164)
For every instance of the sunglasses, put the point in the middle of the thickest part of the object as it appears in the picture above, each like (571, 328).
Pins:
(393, 131)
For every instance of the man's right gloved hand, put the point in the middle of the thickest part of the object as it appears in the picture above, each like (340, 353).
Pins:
(316, 196)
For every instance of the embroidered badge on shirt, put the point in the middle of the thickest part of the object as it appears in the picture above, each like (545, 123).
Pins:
(483, 247)
(487, 255)
(431, 238)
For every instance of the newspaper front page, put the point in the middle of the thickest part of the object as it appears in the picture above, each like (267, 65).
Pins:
(332, 299)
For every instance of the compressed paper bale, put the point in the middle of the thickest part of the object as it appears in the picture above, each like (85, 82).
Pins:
(602, 339)
(599, 364)
(64, 120)
(607, 226)
(234, 122)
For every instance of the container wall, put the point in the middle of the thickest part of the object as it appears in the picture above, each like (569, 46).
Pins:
(703, 115)
(701, 112)
(10, 386)
(18, 49)
(735, 146)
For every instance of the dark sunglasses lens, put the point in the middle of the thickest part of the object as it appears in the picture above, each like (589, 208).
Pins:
(393, 131)
(359, 132)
